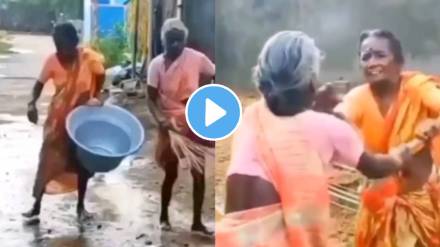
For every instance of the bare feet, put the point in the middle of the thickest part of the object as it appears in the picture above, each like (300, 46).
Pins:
(201, 229)
(34, 212)
(84, 215)
(32, 217)
(165, 226)
(32, 221)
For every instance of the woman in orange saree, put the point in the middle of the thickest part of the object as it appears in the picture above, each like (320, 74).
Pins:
(77, 74)
(277, 190)
(403, 210)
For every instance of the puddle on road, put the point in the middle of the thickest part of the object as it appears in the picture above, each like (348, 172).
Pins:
(21, 50)
(125, 203)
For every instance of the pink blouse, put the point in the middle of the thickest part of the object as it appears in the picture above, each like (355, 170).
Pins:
(334, 139)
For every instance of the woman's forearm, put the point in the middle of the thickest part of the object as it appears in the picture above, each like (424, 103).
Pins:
(36, 92)
(152, 102)
(154, 109)
(378, 165)
(99, 84)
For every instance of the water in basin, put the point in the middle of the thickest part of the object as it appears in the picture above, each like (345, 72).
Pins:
(103, 138)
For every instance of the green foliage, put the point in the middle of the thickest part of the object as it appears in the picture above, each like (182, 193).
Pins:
(114, 47)
(4, 47)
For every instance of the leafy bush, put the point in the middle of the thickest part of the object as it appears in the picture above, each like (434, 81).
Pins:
(4, 46)
(113, 47)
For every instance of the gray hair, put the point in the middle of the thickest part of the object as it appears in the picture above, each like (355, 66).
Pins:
(173, 23)
(289, 59)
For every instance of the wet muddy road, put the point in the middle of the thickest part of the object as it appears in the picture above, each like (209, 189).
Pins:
(125, 201)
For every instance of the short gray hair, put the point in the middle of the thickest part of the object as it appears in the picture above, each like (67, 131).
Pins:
(173, 23)
(289, 59)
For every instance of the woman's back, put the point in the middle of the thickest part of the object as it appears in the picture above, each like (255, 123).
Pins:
(310, 140)
(281, 163)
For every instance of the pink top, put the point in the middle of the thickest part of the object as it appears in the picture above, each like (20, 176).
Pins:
(180, 80)
(334, 139)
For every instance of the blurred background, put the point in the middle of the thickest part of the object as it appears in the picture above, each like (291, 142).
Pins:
(243, 26)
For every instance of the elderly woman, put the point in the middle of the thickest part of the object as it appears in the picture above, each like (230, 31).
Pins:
(404, 209)
(277, 191)
(78, 74)
(172, 77)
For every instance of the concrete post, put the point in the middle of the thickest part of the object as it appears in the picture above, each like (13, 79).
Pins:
(87, 22)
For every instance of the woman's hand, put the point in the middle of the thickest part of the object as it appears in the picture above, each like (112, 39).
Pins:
(326, 98)
(94, 102)
(165, 124)
(405, 154)
(32, 113)
(172, 124)
(427, 129)
(401, 154)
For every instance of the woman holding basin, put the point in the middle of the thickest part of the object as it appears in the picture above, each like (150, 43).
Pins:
(78, 74)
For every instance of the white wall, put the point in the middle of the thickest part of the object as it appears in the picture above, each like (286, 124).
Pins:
(87, 24)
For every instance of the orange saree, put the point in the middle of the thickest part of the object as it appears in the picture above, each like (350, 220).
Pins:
(297, 173)
(57, 169)
(388, 217)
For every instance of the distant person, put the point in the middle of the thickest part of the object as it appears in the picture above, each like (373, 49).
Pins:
(277, 187)
(403, 210)
(78, 74)
(172, 77)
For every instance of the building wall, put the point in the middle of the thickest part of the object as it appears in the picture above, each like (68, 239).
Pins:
(243, 26)
(32, 16)
(198, 16)
(162, 10)
(109, 18)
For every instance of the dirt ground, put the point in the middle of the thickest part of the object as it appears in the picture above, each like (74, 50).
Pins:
(125, 201)
(343, 220)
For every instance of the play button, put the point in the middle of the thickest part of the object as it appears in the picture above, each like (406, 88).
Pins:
(213, 112)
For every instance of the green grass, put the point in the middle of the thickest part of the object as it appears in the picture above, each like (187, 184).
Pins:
(4, 47)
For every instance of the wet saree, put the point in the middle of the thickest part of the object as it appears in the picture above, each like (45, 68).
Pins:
(57, 170)
(296, 165)
(388, 217)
